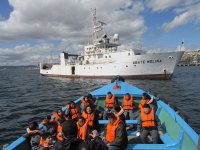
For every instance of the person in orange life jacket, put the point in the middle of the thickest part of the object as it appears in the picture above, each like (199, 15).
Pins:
(110, 101)
(118, 111)
(74, 112)
(71, 142)
(33, 134)
(146, 99)
(59, 115)
(83, 129)
(59, 135)
(93, 100)
(46, 142)
(115, 133)
(50, 126)
(67, 111)
(85, 102)
(88, 114)
(148, 122)
(128, 106)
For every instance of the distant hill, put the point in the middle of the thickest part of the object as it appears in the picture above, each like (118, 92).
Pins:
(190, 57)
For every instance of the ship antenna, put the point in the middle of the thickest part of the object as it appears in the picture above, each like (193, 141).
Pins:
(94, 23)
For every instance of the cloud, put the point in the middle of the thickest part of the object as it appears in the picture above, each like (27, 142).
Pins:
(188, 14)
(68, 22)
(26, 54)
(161, 5)
(61, 19)
(1, 17)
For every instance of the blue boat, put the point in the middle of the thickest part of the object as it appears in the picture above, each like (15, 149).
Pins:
(178, 135)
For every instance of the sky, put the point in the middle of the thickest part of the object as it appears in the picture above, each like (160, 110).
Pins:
(34, 31)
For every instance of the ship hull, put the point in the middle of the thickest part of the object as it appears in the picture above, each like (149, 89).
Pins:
(154, 66)
(141, 77)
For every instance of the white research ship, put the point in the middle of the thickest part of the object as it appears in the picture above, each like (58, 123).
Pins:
(105, 58)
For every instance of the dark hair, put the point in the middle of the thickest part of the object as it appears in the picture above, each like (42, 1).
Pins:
(111, 115)
(109, 92)
(69, 129)
(80, 117)
(46, 135)
(48, 117)
(117, 108)
(59, 109)
(90, 107)
(146, 106)
(146, 96)
(127, 94)
(90, 96)
(33, 125)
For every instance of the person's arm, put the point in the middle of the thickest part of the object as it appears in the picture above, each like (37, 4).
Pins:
(97, 143)
(96, 101)
(67, 112)
(150, 101)
(120, 112)
(31, 131)
(116, 100)
(82, 106)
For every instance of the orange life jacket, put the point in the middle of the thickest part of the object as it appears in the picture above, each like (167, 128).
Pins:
(111, 129)
(148, 120)
(85, 103)
(89, 118)
(51, 121)
(128, 104)
(56, 116)
(82, 131)
(142, 102)
(110, 102)
(74, 112)
(42, 142)
(59, 130)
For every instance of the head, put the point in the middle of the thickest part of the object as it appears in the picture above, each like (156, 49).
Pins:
(146, 108)
(81, 121)
(88, 109)
(90, 96)
(59, 112)
(69, 129)
(127, 96)
(86, 98)
(68, 105)
(33, 125)
(47, 119)
(47, 137)
(146, 96)
(117, 108)
(111, 118)
(109, 95)
(72, 105)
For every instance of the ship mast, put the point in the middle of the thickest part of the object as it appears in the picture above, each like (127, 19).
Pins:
(97, 25)
(94, 24)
